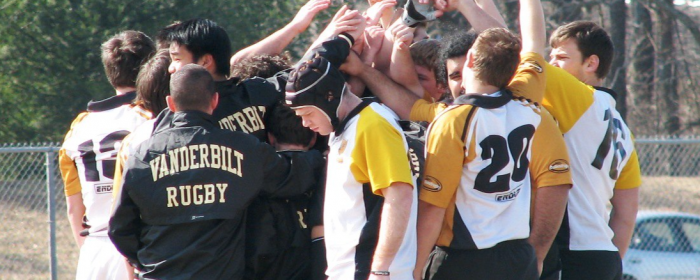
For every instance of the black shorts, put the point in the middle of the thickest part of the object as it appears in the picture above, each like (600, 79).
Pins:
(585, 265)
(514, 259)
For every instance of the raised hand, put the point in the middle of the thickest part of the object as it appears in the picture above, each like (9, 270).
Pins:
(401, 35)
(345, 20)
(375, 12)
(307, 13)
(374, 37)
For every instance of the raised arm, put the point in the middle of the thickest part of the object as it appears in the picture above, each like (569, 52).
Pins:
(275, 43)
(397, 97)
(402, 69)
(532, 27)
(481, 14)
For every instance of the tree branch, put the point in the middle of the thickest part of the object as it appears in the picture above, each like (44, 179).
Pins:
(686, 20)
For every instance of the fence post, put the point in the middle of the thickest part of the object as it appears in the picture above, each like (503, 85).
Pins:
(50, 185)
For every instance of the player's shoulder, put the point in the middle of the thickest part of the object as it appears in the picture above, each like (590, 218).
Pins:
(452, 121)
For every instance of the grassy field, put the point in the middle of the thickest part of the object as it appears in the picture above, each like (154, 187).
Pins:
(24, 247)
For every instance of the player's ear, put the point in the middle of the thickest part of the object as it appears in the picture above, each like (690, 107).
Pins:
(214, 101)
(591, 63)
(207, 61)
(469, 62)
(171, 103)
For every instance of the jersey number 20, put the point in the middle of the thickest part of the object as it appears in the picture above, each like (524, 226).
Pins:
(500, 151)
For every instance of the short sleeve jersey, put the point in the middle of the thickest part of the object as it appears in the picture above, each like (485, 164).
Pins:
(365, 157)
(479, 166)
(602, 154)
(88, 155)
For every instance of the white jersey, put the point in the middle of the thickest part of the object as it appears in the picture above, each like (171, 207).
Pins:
(600, 145)
(88, 154)
(603, 158)
(479, 166)
(367, 156)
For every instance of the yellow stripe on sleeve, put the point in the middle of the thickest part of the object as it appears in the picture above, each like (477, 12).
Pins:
(69, 172)
(379, 157)
(566, 97)
(549, 165)
(631, 175)
(445, 156)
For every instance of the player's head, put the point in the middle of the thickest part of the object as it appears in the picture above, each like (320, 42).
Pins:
(453, 53)
(315, 90)
(192, 89)
(583, 49)
(494, 57)
(203, 42)
(287, 128)
(153, 82)
(263, 65)
(426, 57)
(122, 56)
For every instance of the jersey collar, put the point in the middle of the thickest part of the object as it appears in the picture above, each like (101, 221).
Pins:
(112, 102)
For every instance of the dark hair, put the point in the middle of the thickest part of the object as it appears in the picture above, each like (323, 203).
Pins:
(591, 39)
(496, 57)
(123, 54)
(426, 53)
(201, 37)
(192, 88)
(287, 127)
(456, 45)
(153, 82)
(163, 38)
(263, 65)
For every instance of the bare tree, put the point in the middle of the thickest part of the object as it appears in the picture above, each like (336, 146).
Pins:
(618, 73)
(666, 70)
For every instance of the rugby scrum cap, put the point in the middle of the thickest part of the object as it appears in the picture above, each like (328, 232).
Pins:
(316, 83)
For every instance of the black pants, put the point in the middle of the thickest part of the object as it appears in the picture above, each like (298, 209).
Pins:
(582, 265)
(509, 260)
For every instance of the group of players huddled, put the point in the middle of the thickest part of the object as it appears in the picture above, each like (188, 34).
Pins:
(468, 157)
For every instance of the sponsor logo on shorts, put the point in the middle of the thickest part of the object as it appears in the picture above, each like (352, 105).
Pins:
(559, 166)
(508, 196)
(431, 184)
(104, 188)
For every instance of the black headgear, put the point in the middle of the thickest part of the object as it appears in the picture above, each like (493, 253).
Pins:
(316, 83)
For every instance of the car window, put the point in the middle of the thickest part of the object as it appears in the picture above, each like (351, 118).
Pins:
(691, 229)
(653, 236)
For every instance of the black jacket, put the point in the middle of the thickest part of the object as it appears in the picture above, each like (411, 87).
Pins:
(243, 104)
(181, 210)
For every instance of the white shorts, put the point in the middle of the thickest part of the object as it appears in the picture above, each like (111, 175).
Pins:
(99, 259)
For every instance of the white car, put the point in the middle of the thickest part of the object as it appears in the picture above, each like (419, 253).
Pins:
(665, 245)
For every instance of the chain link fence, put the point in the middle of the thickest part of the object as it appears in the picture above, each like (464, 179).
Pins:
(37, 242)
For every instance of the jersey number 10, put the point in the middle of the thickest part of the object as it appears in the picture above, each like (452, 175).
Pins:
(87, 153)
